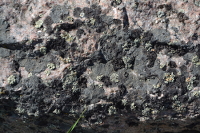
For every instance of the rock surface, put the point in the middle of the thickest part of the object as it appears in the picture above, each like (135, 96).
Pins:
(133, 65)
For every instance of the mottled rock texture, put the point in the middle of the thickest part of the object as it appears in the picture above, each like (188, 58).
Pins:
(134, 65)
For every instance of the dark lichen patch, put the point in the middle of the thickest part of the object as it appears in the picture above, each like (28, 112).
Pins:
(172, 64)
(195, 36)
(92, 12)
(98, 56)
(147, 36)
(77, 11)
(4, 52)
(168, 7)
(57, 12)
(48, 21)
(80, 32)
(118, 64)
(15, 65)
(122, 89)
(68, 27)
(106, 80)
(182, 17)
(116, 2)
(47, 24)
(135, 33)
(161, 35)
(117, 21)
(56, 44)
(125, 18)
(151, 58)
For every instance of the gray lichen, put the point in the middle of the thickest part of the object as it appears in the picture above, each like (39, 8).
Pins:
(169, 77)
(114, 77)
(12, 80)
(112, 110)
(51, 66)
(38, 24)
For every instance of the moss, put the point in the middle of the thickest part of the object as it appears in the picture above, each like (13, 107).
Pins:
(12, 80)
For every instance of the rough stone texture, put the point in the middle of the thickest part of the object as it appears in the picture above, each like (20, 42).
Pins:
(133, 65)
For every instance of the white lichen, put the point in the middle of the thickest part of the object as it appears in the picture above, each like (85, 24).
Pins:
(12, 79)
(51, 66)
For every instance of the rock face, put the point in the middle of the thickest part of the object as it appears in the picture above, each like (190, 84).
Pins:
(133, 65)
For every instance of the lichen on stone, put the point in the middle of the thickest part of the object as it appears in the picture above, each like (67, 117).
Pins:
(68, 37)
(114, 77)
(70, 81)
(12, 80)
(38, 24)
(51, 66)
(124, 101)
(43, 50)
(133, 106)
(169, 77)
(112, 110)
(190, 81)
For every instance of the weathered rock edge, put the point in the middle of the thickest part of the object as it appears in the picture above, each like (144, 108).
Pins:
(130, 78)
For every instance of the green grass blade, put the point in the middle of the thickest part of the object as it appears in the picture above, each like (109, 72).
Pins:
(74, 125)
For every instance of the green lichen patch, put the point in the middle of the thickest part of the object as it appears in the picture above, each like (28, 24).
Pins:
(12, 80)
(71, 81)
(190, 81)
(43, 50)
(112, 110)
(128, 62)
(195, 60)
(114, 77)
(68, 37)
(51, 66)
(38, 24)
(69, 19)
(169, 77)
